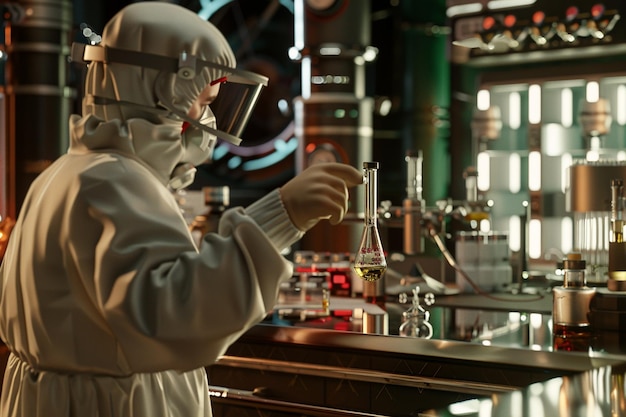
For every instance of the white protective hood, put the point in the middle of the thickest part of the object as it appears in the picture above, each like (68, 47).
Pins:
(139, 28)
(145, 102)
(145, 69)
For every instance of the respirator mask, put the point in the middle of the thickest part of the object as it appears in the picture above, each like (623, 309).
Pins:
(198, 145)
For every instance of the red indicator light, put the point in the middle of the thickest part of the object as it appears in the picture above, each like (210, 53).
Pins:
(509, 20)
(597, 10)
(342, 313)
(489, 22)
(571, 12)
(339, 279)
(538, 17)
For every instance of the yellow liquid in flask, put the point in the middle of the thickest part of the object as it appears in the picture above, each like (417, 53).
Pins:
(370, 273)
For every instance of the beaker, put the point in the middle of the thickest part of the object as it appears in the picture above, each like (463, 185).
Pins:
(369, 261)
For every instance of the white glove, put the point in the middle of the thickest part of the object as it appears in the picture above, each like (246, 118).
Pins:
(319, 192)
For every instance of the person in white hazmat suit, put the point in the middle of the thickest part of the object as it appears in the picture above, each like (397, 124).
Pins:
(107, 305)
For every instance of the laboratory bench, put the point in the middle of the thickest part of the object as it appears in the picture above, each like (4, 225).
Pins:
(488, 356)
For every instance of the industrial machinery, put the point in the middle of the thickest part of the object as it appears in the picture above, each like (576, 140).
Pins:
(551, 75)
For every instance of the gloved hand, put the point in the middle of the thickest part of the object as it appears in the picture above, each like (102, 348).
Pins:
(319, 192)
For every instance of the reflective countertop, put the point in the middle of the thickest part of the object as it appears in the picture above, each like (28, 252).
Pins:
(595, 393)
(515, 328)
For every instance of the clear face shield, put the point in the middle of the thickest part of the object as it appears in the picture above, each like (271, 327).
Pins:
(233, 106)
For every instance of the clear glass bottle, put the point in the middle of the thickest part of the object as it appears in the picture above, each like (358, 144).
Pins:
(369, 261)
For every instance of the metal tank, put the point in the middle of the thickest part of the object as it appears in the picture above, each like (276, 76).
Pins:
(36, 97)
(333, 116)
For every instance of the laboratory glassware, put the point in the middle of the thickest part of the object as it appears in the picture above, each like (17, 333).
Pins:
(415, 321)
(369, 261)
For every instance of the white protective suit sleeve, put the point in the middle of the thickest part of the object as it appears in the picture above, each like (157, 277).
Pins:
(271, 216)
(164, 300)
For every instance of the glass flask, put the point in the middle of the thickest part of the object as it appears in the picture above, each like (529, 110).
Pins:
(369, 261)
(415, 321)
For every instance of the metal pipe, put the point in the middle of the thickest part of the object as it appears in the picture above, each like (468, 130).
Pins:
(413, 205)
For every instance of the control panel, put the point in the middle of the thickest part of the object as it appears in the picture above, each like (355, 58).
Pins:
(545, 30)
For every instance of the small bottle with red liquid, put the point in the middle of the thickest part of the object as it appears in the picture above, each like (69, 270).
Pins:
(572, 329)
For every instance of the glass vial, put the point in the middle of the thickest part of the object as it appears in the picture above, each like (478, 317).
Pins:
(369, 261)
(617, 245)
(571, 307)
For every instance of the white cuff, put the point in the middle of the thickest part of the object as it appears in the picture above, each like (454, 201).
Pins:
(271, 216)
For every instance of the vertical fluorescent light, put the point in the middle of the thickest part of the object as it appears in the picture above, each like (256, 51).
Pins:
(515, 173)
(534, 104)
(516, 404)
(567, 234)
(483, 99)
(298, 117)
(534, 171)
(484, 172)
(593, 91)
(536, 407)
(515, 110)
(535, 320)
(305, 68)
(534, 238)
(620, 110)
(515, 233)
(567, 107)
(566, 162)
(298, 18)
(621, 156)
(549, 146)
